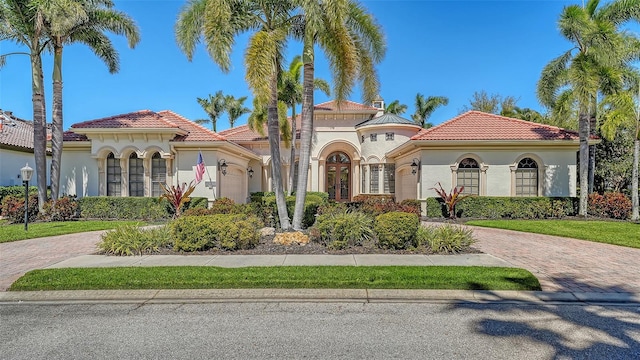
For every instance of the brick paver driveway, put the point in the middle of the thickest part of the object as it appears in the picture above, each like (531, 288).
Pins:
(18, 257)
(563, 264)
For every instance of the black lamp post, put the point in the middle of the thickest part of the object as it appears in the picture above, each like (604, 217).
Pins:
(26, 172)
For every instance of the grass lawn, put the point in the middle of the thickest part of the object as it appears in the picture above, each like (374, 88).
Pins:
(289, 277)
(609, 232)
(16, 232)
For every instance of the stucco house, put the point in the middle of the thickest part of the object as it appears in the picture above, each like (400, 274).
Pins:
(16, 149)
(357, 149)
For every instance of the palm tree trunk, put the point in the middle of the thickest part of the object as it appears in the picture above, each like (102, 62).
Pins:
(634, 179)
(592, 148)
(306, 131)
(584, 162)
(292, 168)
(56, 128)
(39, 127)
(276, 163)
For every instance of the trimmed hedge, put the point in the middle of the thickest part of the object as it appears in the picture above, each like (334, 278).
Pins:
(490, 207)
(131, 208)
(228, 232)
(17, 191)
(265, 205)
(613, 205)
(13, 208)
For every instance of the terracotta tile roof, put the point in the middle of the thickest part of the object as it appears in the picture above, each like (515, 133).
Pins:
(147, 119)
(476, 125)
(197, 132)
(16, 132)
(243, 133)
(345, 105)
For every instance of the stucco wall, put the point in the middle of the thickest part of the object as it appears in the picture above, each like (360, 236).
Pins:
(12, 161)
(79, 173)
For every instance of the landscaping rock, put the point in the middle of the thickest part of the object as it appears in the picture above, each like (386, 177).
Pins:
(267, 231)
(291, 238)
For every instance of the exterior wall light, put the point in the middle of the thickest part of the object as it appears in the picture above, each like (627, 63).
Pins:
(250, 172)
(223, 166)
(414, 166)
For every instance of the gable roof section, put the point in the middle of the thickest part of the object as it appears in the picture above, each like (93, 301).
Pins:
(17, 133)
(243, 133)
(344, 105)
(477, 125)
(147, 119)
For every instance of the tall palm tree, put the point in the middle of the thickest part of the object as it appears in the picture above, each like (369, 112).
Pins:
(624, 109)
(425, 107)
(80, 21)
(290, 92)
(395, 107)
(353, 41)
(218, 22)
(18, 24)
(235, 108)
(595, 62)
(214, 106)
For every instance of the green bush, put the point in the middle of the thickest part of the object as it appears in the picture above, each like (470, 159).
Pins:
(13, 208)
(123, 208)
(340, 230)
(446, 238)
(613, 205)
(267, 207)
(17, 191)
(396, 230)
(64, 209)
(490, 207)
(380, 204)
(219, 206)
(132, 240)
(224, 231)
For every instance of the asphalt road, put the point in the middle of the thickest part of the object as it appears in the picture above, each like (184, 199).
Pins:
(319, 331)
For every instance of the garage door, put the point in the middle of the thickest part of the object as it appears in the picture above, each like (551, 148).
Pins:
(408, 185)
(234, 186)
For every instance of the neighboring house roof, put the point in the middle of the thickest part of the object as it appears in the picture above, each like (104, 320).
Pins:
(243, 133)
(17, 133)
(387, 119)
(476, 125)
(344, 105)
(147, 119)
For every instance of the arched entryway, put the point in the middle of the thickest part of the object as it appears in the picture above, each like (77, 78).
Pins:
(338, 176)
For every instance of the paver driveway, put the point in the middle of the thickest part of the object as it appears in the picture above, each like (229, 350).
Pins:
(563, 264)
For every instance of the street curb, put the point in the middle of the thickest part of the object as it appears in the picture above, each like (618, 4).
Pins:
(310, 295)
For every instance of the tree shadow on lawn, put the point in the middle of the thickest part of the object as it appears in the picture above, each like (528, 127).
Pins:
(574, 330)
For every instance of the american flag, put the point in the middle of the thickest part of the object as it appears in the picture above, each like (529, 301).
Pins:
(199, 167)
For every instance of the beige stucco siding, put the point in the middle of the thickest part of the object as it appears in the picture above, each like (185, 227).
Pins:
(79, 173)
(12, 161)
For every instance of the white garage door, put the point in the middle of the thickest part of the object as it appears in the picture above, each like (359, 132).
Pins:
(408, 185)
(234, 186)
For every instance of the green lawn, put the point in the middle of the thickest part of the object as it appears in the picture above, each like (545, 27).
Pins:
(610, 232)
(325, 277)
(15, 232)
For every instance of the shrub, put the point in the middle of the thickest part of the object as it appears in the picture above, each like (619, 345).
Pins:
(224, 231)
(396, 230)
(13, 208)
(342, 229)
(64, 209)
(123, 208)
(219, 206)
(17, 191)
(446, 238)
(451, 199)
(613, 205)
(267, 207)
(177, 196)
(132, 240)
(380, 204)
(491, 207)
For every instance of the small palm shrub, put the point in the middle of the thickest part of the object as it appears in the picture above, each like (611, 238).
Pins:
(64, 209)
(223, 231)
(342, 229)
(448, 239)
(129, 240)
(13, 208)
(396, 230)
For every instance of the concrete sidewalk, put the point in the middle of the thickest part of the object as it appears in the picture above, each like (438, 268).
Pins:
(232, 261)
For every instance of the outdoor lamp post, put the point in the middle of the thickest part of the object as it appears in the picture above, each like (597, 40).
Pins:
(26, 172)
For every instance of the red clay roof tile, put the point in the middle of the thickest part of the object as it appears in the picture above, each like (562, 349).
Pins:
(345, 105)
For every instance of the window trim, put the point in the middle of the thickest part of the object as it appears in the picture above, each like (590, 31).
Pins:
(541, 173)
(482, 186)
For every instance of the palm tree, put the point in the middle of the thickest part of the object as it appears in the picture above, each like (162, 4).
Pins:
(18, 24)
(354, 43)
(594, 63)
(218, 22)
(290, 92)
(624, 109)
(395, 107)
(235, 108)
(425, 107)
(214, 106)
(80, 21)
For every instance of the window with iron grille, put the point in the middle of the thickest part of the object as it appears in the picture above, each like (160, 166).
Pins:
(114, 176)
(136, 176)
(389, 178)
(374, 178)
(469, 176)
(527, 178)
(374, 137)
(389, 136)
(158, 174)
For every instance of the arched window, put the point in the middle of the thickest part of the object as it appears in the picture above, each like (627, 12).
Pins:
(158, 174)
(527, 178)
(469, 176)
(114, 176)
(136, 175)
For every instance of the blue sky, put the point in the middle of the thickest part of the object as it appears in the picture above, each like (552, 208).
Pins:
(447, 48)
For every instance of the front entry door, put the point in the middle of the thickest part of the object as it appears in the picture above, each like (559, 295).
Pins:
(339, 177)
